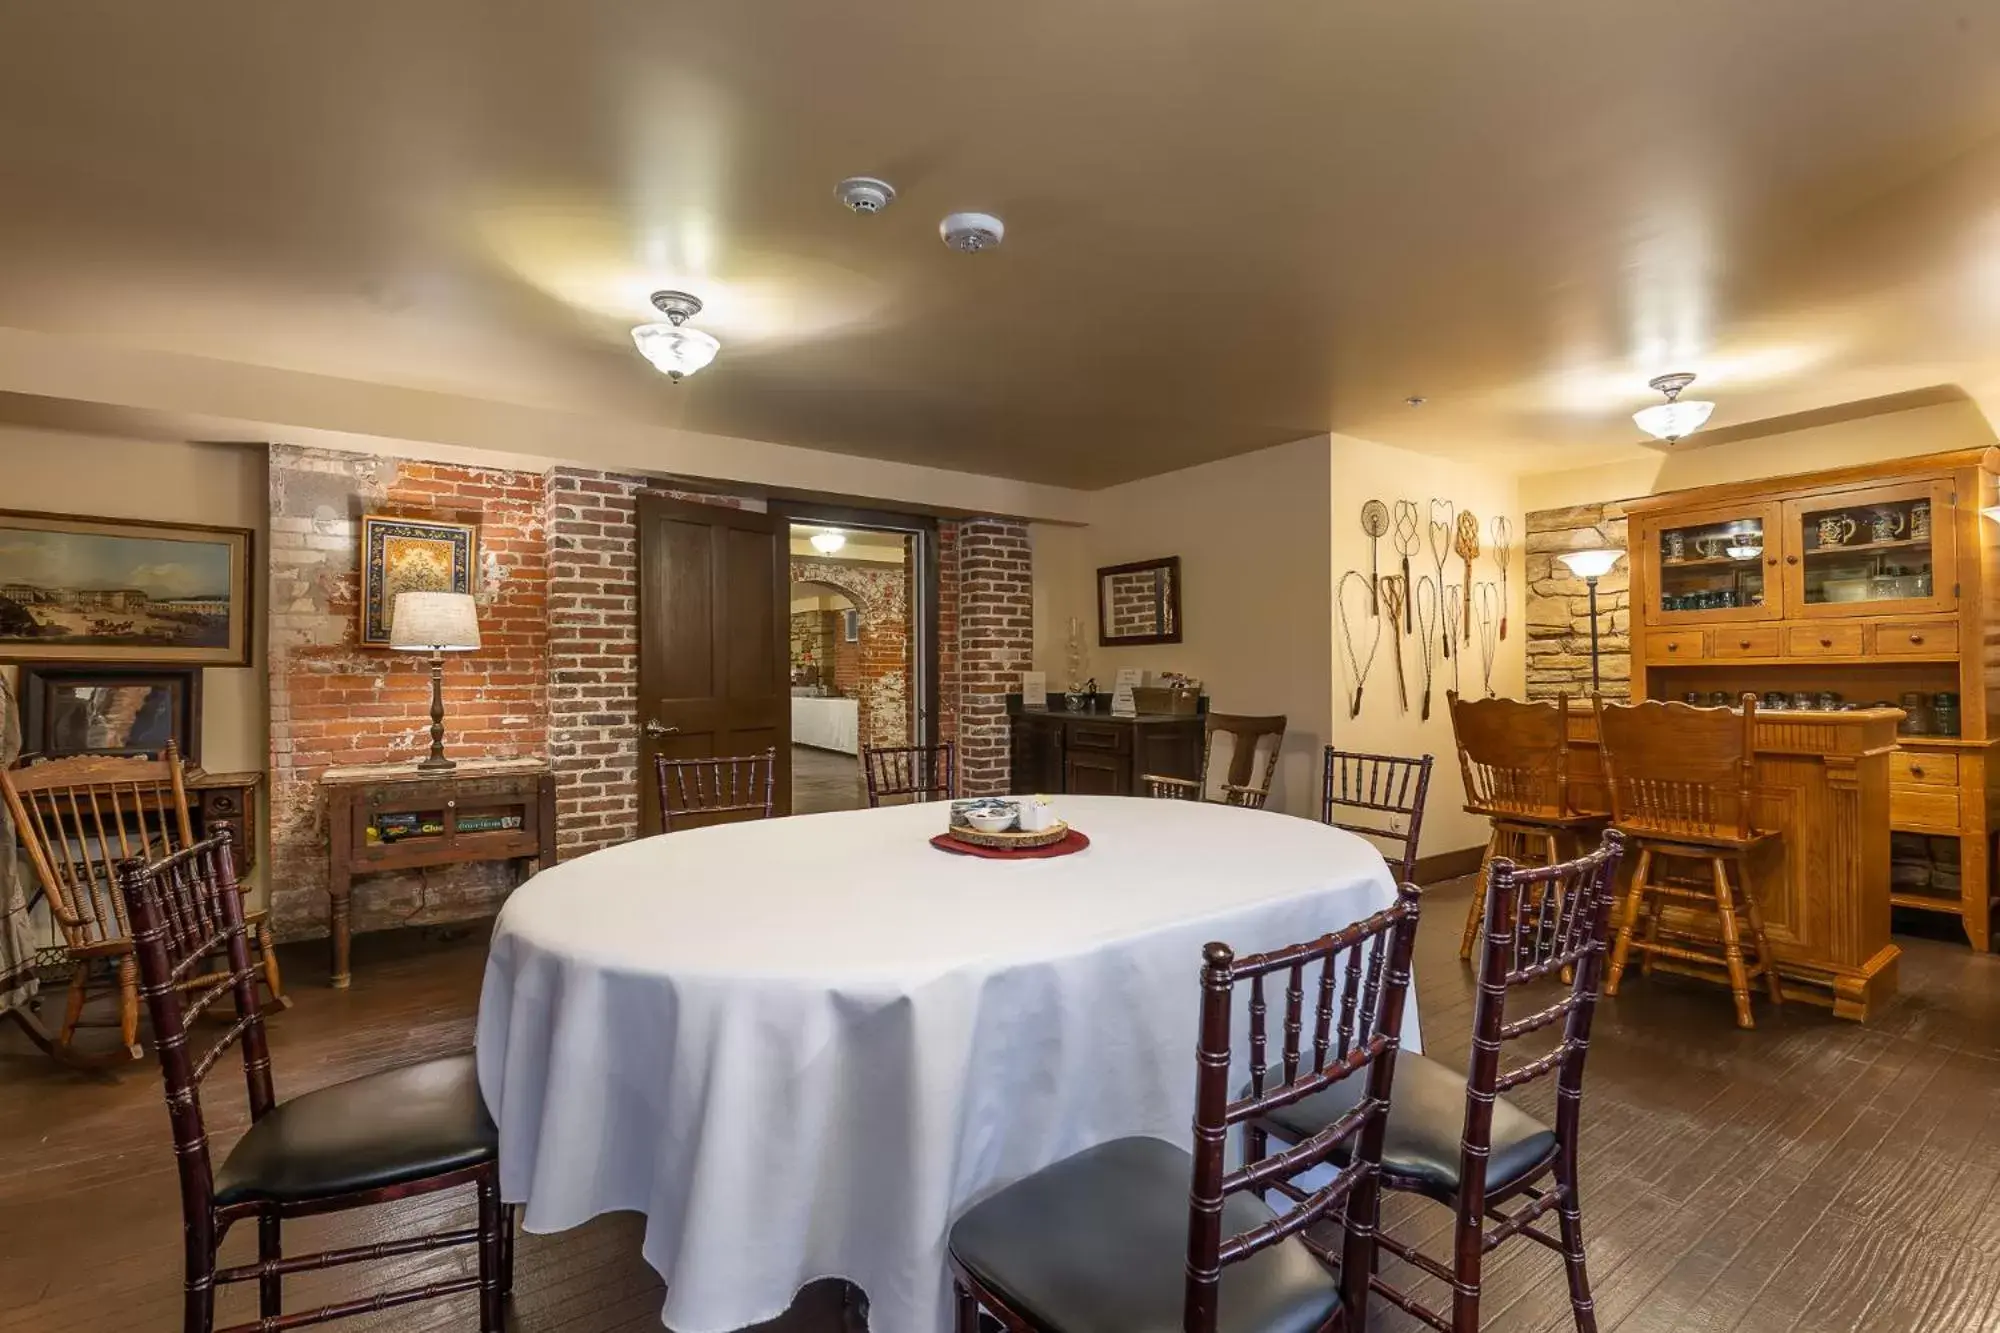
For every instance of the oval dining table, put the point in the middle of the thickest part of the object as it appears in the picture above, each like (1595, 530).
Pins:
(801, 1047)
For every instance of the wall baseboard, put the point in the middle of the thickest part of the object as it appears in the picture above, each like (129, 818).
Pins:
(1440, 866)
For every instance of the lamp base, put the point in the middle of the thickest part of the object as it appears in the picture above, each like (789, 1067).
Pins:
(436, 764)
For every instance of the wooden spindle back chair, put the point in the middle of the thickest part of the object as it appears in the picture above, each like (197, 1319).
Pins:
(1682, 782)
(696, 792)
(1513, 756)
(1369, 793)
(927, 772)
(1347, 990)
(1541, 924)
(1246, 782)
(79, 817)
(186, 910)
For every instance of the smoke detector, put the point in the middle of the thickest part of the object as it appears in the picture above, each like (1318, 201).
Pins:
(972, 232)
(865, 194)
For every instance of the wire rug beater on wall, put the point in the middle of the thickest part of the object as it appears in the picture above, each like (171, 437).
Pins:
(1426, 602)
(1452, 625)
(1395, 604)
(1357, 665)
(1467, 546)
(1491, 605)
(1409, 540)
(1503, 556)
(1442, 531)
(1374, 522)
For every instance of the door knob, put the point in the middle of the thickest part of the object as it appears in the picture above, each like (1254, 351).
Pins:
(657, 729)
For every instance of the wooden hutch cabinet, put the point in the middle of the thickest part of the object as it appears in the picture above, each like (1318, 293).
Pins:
(1865, 585)
(1096, 754)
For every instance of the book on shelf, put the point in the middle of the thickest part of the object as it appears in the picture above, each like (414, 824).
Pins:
(395, 827)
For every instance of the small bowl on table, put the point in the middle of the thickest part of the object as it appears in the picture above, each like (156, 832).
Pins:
(997, 819)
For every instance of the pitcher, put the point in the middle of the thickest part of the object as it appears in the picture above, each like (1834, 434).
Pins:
(1884, 525)
(1835, 529)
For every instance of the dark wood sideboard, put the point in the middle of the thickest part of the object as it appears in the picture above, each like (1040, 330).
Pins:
(1095, 754)
(383, 817)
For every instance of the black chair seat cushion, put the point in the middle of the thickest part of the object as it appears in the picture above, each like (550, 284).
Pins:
(1097, 1243)
(1426, 1120)
(382, 1129)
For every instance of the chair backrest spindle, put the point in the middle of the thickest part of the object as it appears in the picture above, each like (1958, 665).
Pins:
(925, 772)
(1358, 788)
(715, 790)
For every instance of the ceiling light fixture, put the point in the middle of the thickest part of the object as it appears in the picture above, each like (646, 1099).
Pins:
(1675, 419)
(826, 543)
(675, 350)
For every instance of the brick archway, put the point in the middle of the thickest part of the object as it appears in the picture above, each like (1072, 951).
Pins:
(881, 597)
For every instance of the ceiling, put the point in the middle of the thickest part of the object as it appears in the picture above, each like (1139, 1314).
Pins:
(1228, 226)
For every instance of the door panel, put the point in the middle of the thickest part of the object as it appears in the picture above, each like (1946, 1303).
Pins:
(713, 597)
(1710, 566)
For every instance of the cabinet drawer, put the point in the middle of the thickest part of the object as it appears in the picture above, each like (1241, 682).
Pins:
(1680, 645)
(1108, 740)
(1823, 640)
(1916, 638)
(1934, 809)
(1747, 641)
(1923, 768)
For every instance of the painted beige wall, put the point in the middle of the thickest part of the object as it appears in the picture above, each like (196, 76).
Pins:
(1363, 470)
(182, 482)
(1921, 430)
(1254, 598)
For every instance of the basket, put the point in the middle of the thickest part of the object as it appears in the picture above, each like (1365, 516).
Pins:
(1166, 700)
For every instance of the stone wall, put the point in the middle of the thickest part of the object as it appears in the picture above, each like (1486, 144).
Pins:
(1558, 603)
(334, 702)
(881, 593)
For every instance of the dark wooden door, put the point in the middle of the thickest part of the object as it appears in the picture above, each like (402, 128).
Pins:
(1037, 755)
(714, 594)
(1094, 773)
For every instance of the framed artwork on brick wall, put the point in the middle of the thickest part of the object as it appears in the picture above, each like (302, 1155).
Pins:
(1140, 602)
(411, 555)
(82, 589)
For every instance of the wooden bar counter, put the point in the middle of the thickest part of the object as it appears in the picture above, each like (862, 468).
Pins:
(1823, 883)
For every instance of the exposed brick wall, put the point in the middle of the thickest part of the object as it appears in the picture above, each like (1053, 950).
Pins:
(996, 631)
(334, 702)
(881, 593)
(846, 656)
(947, 630)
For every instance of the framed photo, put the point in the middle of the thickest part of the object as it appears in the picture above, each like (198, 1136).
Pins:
(850, 625)
(411, 555)
(69, 709)
(1139, 602)
(77, 589)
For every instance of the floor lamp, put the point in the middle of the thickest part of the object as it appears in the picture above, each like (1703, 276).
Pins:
(1590, 566)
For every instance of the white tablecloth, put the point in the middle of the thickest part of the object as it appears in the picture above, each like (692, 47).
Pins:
(829, 724)
(802, 1047)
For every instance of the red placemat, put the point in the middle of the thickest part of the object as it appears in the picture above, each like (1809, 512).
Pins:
(1075, 842)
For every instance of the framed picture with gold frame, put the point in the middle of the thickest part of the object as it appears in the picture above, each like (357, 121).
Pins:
(411, 555)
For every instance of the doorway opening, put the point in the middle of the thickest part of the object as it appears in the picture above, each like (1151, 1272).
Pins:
(861, 627)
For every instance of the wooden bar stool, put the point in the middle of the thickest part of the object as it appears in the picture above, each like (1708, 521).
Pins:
(1514, 757)
(1682, 783)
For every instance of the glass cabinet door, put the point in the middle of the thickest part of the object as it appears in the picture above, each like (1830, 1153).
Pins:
(1712, 565)
(1867, 552)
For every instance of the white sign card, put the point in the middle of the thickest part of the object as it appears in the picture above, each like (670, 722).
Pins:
(1131, 676)
(1034, 689)
(1122, 702)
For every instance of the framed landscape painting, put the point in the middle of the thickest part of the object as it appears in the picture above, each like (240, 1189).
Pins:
(69, 710)
(410, 555)
(82, 589)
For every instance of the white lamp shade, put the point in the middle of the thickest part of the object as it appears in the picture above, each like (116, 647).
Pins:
(1673, 421)
(826, 543)
(434, 622)
(1590, 564)
(675, 350)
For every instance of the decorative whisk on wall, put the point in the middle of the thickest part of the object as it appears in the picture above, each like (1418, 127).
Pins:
(1357, 664)
(1395, 605)
(1442, 532)
(1490, 603)
(1503, 556)
(1427, 635)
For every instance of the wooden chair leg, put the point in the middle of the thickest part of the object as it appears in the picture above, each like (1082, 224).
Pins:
(128, 1005)
(270, 1249)
(1475, 915)
(272, 980)
(1635, 896)
(198, 1255)
(1772, 986)
(968, 1308)
(79, 991)
(510, 1224)
(1654, 910)
(1569, 1217)
(489, 1252)
(1732, 945)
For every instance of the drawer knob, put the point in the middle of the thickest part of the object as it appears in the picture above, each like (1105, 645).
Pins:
(1743, 643)
(1916, 638)
(451, 805)
(1673, 647)
(1791, 560)
(1826, 643)
(1916, 770)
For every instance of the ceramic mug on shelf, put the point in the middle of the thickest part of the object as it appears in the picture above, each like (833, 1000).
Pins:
(1674, 544)
(1709, 547)
(1835, 529)
(1885, 525)
(1920, 521)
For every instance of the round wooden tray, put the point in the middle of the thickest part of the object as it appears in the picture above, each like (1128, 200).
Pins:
(1010, 841)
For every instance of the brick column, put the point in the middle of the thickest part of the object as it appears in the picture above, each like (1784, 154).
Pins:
(996, 634)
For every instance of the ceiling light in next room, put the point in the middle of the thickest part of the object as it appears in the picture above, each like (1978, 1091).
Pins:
(826, 543)
(675, 350)
(1677, 418)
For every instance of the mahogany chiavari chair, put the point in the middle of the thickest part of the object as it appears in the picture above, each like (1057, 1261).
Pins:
(1514, 758)
(1245, 783)
(1683, 789)
(375, 1139)
(1458, 1139)
(1360, 788)
(927, 772)
(1136, 1233)
(78, 818)
(715, 791)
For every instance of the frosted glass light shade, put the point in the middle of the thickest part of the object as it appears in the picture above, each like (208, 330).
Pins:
(675, 350)
(434, 622)
(1673, 421)
(1590, 564)
(826, 543)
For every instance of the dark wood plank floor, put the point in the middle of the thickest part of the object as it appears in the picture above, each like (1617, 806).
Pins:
(1811, 1175)
(825, 780)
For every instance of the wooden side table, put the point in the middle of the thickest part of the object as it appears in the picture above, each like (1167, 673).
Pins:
(226, 800)
(384, 817)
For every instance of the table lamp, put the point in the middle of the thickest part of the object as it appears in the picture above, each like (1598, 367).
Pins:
(1590, 566)
(436, 623)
